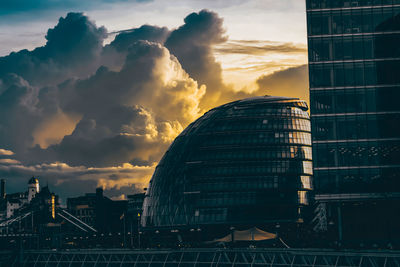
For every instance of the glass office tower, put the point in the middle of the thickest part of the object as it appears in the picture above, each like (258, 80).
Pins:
(354, 68)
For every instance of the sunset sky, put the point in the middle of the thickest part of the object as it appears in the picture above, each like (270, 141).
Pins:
(93, 92)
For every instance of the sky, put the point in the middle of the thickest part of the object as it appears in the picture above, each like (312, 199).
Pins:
(92, 93)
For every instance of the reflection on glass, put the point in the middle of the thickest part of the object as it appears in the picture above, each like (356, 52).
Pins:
(354, 59)
(303, 200)
(306, 182)
(242, 158)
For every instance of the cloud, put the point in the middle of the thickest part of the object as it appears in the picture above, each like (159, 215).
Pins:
(263, 67)
(9, 161)
(127, 112)
(202, 34)
(192, 43)
(256, 47)
(149, 33)
(68, 181)
(126, 115)
(288, 82)
(18, 112)
(8, 7)
(71, 51)
(5, 152)
(72, 114)
(76, 111)
(52, 130)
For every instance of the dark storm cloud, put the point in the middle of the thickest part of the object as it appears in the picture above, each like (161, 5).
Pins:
(18, 112)
(71, 51)
(8, 7)
(75, 111)
(288, 82)
(29, 96)
(114, 54)
(129, 112)
(192, 44)
(254, 47)
(126, 114)
(146, 32)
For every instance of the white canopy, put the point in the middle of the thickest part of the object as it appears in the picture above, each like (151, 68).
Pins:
(252, 234)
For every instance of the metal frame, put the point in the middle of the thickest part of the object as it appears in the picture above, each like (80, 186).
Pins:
(63, 213)
(209, 257)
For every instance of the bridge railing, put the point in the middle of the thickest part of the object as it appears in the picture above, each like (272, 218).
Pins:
(209, 257)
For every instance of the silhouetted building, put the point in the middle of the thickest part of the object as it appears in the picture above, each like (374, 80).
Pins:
(135, 204)
(134, 212)
(243, 164)
(20, 218)
(41, 222)
(135, 207)
(11, 203)
(100, 212)
(354, 68)
(83, 207)
(3, 189)
(46, 203)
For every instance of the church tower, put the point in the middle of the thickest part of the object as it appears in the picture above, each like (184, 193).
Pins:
(33, 188)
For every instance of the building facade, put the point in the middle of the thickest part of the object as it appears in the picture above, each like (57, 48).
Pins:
(245, 163)
(84, 208)
(98, 211)
(354, 69)
(11, 203)
(135, 205)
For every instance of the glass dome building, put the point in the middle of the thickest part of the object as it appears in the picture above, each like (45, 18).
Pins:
(246, 163)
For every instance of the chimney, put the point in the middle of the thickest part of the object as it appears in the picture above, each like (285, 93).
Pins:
(99, 192)
(3, 189)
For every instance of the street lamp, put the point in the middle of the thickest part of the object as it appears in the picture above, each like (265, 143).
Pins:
(138, 228)
(232, 229)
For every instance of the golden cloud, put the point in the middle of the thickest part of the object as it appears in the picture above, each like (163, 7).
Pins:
(258, 47)
(5, 152)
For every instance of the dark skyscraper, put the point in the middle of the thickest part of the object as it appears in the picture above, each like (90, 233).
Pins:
(354, 63)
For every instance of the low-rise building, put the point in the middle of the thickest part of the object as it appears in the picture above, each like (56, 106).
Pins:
(10, 203)
(99, 211)
(83, 208)
(135, 209)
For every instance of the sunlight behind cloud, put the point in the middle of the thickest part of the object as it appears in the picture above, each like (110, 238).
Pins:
(87, 111)
(53, 130)
(243, 61)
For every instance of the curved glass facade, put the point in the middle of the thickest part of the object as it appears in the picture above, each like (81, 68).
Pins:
(245, 162)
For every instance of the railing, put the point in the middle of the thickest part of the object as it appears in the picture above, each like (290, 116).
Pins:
(59, 212)
(209, 257)
(12, 220)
